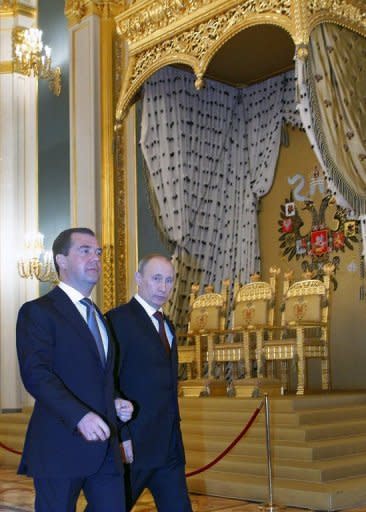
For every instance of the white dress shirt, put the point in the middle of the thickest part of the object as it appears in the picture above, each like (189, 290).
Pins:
(150, 311)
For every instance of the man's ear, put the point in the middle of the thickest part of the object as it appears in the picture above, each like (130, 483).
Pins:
(61, 260)
(138, 278)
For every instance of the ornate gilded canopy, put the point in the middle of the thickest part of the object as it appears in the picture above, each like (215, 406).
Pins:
(190, 32)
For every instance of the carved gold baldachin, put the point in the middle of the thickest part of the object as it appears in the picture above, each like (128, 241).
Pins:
(190, 32)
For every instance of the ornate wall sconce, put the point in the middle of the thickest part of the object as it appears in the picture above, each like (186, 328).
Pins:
(35, 262)
(32, 58)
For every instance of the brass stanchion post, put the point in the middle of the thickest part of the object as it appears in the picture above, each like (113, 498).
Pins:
(268, 507)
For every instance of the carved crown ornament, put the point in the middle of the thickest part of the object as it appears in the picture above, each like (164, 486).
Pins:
(190, 32)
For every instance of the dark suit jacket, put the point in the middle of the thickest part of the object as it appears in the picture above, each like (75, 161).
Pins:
(61, 369)
(148, 377)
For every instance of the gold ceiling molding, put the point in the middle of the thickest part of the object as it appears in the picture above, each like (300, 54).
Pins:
(13, 8)
(76, 10)
(163, 32)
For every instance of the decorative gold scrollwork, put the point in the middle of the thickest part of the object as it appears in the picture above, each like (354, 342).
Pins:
(160, 14)
(340, 8)
(76, 10)
(162, 32)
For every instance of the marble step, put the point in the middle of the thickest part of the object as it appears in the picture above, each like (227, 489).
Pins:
(278, 404)
(291, 418)
(14, 428)
(306, 471)
(9, 460)
(332, 496)
(12, 432)
(15, 418)
(314, 450)
(14, 442)
(303, 433)
(318, 446)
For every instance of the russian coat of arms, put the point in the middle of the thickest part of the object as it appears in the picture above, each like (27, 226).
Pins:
(315, 232)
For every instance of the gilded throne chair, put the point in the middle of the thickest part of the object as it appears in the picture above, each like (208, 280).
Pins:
(252, 320)
(304, 331)
(207, 319)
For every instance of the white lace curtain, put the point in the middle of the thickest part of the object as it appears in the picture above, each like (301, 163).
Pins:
(211, 154)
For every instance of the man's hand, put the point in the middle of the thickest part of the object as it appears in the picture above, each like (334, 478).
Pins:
(93, 428)
(127, 452)
(124, 409)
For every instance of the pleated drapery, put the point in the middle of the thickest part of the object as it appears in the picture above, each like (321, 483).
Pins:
(211, 154)
(332, 101)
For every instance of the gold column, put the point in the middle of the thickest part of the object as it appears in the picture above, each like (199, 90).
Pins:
(107, 29)
(110, 187)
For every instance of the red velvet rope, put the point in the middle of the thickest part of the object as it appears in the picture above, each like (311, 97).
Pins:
(231, 445)
(11, 450)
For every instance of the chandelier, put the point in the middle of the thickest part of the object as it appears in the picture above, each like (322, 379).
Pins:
(35, 262)
(32, 58)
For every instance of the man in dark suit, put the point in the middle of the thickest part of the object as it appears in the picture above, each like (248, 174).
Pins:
(148, 377)
(66, 360)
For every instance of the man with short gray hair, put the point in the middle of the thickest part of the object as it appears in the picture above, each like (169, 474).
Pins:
(148, 376)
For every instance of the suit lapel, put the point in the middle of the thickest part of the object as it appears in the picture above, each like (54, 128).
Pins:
(72, 316)
(145, 323)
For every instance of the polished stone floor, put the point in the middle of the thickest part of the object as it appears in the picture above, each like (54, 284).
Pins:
(17, 495)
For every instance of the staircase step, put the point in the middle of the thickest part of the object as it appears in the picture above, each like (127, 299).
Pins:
(308, 471)
(12, 441)
(15, 428)
(302, 433)
(285, 403)
(309, 417)
(318, 447)
(312, 450)
(310, 495)
(8, 459)
(15, 418)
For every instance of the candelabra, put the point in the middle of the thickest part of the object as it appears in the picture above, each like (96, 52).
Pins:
(31, 58)
(35, 261)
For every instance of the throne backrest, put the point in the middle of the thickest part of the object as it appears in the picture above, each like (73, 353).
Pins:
(207, 313)
(255, 302)
(306, 301)
(254, 305)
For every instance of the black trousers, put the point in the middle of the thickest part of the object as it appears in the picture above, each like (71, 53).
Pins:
(167, 484)
(104, 491)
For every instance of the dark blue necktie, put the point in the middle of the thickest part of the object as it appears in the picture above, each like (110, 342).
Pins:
(91, 319)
